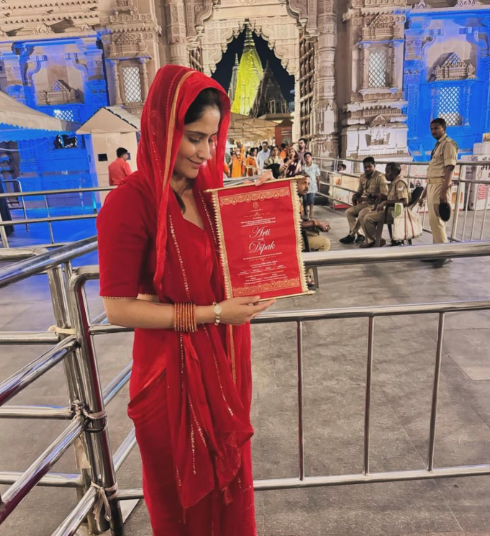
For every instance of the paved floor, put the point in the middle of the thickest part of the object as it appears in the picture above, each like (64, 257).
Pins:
(335, 353)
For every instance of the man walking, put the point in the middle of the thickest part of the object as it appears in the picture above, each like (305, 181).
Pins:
(372, 185)
(263, 155)
(119, 169)
(439, 176)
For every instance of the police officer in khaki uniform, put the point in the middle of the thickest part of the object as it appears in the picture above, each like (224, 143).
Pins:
(399, 192)
(372, 185)
(440, 176)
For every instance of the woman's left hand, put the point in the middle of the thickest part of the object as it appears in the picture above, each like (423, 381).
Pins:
(266, 176)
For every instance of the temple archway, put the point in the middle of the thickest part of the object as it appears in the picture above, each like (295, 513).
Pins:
(301, 34)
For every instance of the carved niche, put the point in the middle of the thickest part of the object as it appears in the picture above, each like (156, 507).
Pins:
(384, 26)
(59, 93)
(378, 134)
(454, 68)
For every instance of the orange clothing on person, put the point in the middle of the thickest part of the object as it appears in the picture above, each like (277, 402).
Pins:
(251, 165)
(283, 154)
(118, 170)
(237, 167)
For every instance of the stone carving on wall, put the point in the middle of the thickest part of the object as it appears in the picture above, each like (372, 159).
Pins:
(23, 18)
(384, 26)
(127, 41)
(467, 3)
(282, 37)
(420, 5)
(60, 93)
(453, 68)
(376, 30)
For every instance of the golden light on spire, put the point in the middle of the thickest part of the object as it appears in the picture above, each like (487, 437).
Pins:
(249, 75)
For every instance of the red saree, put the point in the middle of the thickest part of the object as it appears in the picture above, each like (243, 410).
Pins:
(190, 392)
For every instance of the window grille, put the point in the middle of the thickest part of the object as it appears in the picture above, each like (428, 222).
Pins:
(132, 84)
(378, 65)
(65, 115)
(449, 105)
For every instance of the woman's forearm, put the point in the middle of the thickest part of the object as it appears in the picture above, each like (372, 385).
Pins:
(144, 314)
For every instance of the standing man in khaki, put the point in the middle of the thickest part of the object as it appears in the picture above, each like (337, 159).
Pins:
(440, 178)
(372, 185)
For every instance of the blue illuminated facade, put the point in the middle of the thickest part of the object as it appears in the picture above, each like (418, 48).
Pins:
(446, 74)
(64, 78)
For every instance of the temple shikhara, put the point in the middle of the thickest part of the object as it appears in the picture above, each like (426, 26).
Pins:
(368, 74)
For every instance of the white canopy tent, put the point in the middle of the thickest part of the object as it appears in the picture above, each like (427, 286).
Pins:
(19, 122)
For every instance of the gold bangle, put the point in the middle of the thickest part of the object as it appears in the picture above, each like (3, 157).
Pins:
(185, 317)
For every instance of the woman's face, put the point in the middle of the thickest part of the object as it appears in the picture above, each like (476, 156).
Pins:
(197, 144)
(291, 153)
(274, 151)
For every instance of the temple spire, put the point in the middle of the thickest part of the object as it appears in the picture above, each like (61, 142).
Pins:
(248, 76)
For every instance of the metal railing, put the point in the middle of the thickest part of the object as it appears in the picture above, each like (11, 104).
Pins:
(74, 347)
(50, 219)
(469, 195)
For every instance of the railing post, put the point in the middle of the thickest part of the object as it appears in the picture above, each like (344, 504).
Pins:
(435, 393)
(3, 234)
(454, 228)
(367, 408)
(97, 436)
(301, 439)
(58, 283)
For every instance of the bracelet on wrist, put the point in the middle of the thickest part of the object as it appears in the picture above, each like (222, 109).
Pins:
(217, 310)
(185, 317)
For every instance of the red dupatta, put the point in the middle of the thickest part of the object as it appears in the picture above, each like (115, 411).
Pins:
(208, 399)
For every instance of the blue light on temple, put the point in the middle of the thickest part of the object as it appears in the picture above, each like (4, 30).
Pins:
(446, 74)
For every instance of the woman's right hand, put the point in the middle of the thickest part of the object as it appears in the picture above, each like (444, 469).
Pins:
(238, 311)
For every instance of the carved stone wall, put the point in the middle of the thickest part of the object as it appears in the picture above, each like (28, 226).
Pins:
(373, 119)
(130, 42)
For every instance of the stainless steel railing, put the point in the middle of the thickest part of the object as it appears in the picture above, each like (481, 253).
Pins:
(471, 199)
(88, 399)
(49, 219)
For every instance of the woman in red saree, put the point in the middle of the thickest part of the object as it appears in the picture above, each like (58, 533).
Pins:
(190, 389)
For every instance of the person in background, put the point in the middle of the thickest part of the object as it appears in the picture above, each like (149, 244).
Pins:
(399, 192)
(291, 164)
(313, 171)
(283, 152)
(119, 169)
(274, 162)
(263, 155)
(302, 150)
(372, 186)
(341, 168)
(237, 164)
(440, 176)
(312, 227)
(226, 170)
(251, 163)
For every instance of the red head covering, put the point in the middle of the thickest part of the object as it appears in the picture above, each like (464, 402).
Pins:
(208, 371)
(162, 124)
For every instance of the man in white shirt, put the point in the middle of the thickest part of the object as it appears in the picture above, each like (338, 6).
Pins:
(313, 171)
(263, 155)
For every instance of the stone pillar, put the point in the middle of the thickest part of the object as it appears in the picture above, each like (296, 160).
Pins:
(176, 32)
(364, 57)
(117, 82)
(144, 78)
(297, 109)
(14, 85)
(325, 137)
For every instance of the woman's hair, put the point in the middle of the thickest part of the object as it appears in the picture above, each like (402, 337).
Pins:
(208, 98)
